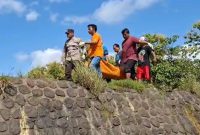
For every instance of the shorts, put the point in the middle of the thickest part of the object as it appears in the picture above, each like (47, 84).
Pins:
(129, 67)
(143, 73)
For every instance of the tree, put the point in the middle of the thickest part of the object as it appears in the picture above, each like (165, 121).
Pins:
(192, 43)
(164, 46)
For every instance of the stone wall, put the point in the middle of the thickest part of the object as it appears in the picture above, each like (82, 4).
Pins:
(38, 107)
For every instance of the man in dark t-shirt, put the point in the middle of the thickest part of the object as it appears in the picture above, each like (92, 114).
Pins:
(143, 69)
(129, 53)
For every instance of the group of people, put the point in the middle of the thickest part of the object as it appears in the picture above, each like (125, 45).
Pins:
(134, 52)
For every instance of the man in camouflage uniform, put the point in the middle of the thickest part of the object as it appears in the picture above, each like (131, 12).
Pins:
(71, 53)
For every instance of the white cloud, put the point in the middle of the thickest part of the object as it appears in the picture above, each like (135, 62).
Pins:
(54, 17)
(9, 6)
(32, 16)
(22, 57)
(44, 57)
(114, 11)
(57, 1)
(40, 57)
(76, 19)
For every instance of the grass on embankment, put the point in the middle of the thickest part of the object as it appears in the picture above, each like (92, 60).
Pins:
(121, 85)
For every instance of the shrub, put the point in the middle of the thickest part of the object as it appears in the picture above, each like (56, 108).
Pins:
(4, 82)
(51, 71)
(190, 84)
(89, 79)
(171, 73)
(121, 85)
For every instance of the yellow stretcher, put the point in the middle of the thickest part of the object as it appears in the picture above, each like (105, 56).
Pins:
(110, 71)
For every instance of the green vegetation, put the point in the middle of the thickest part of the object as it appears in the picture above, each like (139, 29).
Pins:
(121, 85)
(88, 78)
(176, 67)
(51, 71)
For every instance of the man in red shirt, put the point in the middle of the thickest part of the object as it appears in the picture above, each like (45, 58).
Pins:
(129, 53)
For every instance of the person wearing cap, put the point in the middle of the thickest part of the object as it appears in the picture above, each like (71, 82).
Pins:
(149, 44)
(71, 53)
(129, 53)
(144, 68)
(95, 51)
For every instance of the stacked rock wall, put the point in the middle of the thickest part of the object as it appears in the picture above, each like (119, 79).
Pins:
(38, 107)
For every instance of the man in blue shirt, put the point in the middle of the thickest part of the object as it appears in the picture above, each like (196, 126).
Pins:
(118, 55)
(105, 53)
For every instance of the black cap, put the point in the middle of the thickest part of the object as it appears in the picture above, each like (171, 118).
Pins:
(69, 31)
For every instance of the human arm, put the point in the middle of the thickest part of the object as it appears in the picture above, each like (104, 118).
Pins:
(95, 40)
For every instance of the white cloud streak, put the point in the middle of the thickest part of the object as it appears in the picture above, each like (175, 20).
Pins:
(12, 6)
(57, 1)
(32, 16)
(76, 19)
(115, 11)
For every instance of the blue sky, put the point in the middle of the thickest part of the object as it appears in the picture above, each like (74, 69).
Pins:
(32, 31)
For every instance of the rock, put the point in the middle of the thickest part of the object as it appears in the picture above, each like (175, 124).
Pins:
(98, 106)
(37, 92)
(42, 111)
(83, 123)
(16, 81)
(71, 92)
(14, 127)
(116, 121)
(153, 112)
(49, 122)
(30, 83)
(58, 131)
(77, 113)
(20, 100)
(10, 90)
(69, 103)
(60, 93)
(34, 101)
(146, 123)
(44, 102)
(145, 105)
(17, 114)
(81, 102)
(138, 119)
(30, 111)
(62, 123)
(154, 122)
(8, 102)
(52, 84)
(109, 97)
(40, 123)
(57, 104)
(24, 89)
(144, 113)
(3, 127)
(5, 114)
(62, 84)
(49, 93)
(81, 93)
(41, 84)
(30, 122)
(83, 131)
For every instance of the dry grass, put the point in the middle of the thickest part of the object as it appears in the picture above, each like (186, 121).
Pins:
(89, 79)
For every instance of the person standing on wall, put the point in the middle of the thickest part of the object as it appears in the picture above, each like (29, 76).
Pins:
(71, 53)
(95, 51)
(129, 53)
